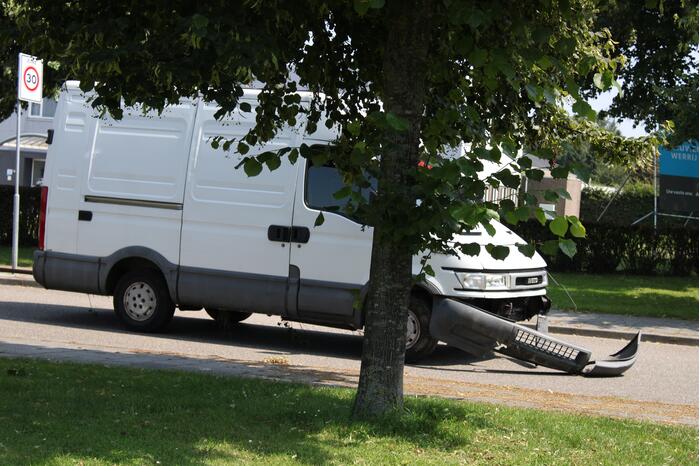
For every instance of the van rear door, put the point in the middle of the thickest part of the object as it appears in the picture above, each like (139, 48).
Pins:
(235, 231)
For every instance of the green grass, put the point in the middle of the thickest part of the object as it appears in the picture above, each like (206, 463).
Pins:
(24, 256)
(628, 294)
(58, 413)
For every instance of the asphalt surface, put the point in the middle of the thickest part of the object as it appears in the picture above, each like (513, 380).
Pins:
(662, 386)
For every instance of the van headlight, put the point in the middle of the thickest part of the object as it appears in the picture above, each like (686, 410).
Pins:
(483, 281)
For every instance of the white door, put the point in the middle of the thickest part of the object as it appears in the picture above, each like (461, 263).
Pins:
(235, 249)
(333, 264)
(134, 180)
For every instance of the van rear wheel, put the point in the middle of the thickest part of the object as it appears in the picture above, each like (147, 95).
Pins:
(142, 301)
(227, 318)
(419, 342)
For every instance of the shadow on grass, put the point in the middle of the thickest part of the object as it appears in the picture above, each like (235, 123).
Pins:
(69, 411)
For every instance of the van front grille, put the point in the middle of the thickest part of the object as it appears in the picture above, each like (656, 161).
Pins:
(547, 346)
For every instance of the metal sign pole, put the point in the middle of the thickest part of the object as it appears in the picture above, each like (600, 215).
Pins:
(15, 213)
(655, 194)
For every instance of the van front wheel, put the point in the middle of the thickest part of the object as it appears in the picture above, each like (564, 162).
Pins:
(142, 301)
(419, 342)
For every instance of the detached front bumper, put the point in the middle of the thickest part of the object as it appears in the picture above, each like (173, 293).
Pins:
(481, 333)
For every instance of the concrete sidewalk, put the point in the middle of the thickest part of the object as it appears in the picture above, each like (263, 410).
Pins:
(659, 330)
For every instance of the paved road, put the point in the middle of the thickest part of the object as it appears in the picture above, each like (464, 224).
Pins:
(663, 385)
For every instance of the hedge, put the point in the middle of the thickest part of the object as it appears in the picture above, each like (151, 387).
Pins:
(29, 201)
(639, 249)
(635, 201)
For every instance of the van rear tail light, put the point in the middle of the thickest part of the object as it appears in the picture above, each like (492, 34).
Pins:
(42, 216)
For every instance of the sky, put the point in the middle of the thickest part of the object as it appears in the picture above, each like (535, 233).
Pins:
(603, 102)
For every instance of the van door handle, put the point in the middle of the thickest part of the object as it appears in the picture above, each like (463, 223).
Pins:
(84, 215)
(279, 233)
(300, 235)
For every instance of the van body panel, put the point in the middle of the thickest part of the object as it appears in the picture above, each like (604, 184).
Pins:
(226, 255)
(67, 271)
(64, 169)
(135, 181)
(230, 290)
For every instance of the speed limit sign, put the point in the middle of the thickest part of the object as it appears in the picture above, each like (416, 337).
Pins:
(30, 78)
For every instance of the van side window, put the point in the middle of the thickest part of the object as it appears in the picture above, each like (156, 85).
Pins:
(322, 183)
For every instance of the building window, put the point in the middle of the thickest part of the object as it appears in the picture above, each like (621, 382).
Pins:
(38, 166)
(46, 109)
(550, 211)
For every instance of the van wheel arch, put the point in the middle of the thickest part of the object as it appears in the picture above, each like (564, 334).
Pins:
(114, 266)
(124, 266)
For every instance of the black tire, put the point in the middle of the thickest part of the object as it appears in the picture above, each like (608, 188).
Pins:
(150, 308)
(425, 344)
(227, 318)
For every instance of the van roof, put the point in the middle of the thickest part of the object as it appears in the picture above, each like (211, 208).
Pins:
(252, 90)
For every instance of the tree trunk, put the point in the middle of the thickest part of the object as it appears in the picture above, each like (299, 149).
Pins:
(380, 389)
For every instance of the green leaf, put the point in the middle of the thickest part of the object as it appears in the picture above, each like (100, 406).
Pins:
(396, 122)
(527, 250)
(535, 174)
(584, 109)
(252, 167)
(478, 57)
(470, 249)
(508, 178)
(273, 163)
(376, 4)
(563, 193)
(550, 95)
(490, 213)
(598, 81)
(560, 172)
(536, 93)
(354, 127)
(293, 155)
(618, 86)
(361, 7)
(428, 270)
(540, 216)
(243, 148)
(498, 252)
(523, 213)
(319, 220)
(550, 247)
(344, 192)
(559, 226)
(511, 218)
(568, 247)
(551, 196)
(245, 107)
(577, 229)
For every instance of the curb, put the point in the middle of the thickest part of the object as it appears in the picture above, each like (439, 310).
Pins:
(19, 270)
(19, 281)
(22, 280)
(621, 335)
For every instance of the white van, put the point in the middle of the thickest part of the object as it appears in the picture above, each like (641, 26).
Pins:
(145, 209)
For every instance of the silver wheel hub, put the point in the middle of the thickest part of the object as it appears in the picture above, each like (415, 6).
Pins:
(412, 329)
(140, 301)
